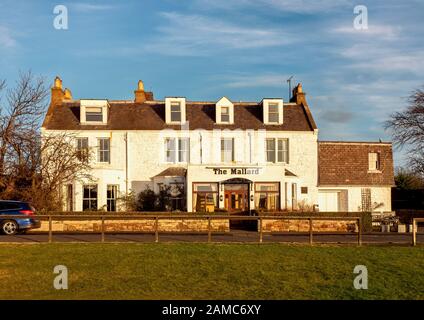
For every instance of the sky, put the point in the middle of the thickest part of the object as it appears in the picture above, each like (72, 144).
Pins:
(244, 49)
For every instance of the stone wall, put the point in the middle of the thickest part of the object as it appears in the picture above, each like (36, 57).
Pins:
(145, 225)
(303, 226)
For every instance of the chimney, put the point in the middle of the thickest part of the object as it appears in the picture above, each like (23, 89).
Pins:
(298, 95)
(67, 94)
(140, 94)
(57, 92)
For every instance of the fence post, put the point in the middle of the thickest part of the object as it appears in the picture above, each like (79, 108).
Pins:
(50, 229)
(414, 234)
(209, 229)
(310, 231)
(359, 231)
(156, 229)
(260, 230)
(103, 228)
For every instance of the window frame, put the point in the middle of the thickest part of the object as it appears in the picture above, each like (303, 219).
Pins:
(172, 112)
(277, 113)
(223, 150)
(376, 162)
(101, 151)
(82, 152)
(177, 154)
(93, 114)
(280, 155)
(227, 114)
(112, 201)
(276, 193)
(90, 199)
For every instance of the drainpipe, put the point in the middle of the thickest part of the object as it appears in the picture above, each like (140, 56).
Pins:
(126, 163)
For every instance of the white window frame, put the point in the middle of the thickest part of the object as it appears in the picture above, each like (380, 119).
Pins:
(101, 151)
(374, 164)
(281, 154)
(223, 152)
(179, 151)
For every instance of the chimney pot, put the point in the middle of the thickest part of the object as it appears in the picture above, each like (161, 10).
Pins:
(140, 95)
(58, 83)
(67, 94)
(140, 85)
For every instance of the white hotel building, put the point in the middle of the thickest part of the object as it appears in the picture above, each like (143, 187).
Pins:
(235, 156)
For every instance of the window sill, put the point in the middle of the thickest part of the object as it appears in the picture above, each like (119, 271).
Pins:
(374, 171)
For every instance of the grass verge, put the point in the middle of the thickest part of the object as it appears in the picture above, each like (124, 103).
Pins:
(209, 271)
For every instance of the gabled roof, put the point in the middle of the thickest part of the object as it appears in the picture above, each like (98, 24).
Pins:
(127, 115)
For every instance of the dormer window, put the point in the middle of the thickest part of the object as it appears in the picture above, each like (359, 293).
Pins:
(175, 110)
(94, 111)
(224, 111)
(272, 111)
(93, 114)
(225, 114)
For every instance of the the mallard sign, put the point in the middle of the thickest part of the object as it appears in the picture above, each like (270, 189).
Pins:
(235, 170)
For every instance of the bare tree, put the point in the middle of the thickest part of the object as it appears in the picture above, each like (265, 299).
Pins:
(34, 166)
(407, 129)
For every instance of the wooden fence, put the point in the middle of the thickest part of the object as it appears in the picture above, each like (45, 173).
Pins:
(208, 218)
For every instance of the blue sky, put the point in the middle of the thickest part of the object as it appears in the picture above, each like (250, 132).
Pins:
(243, 49)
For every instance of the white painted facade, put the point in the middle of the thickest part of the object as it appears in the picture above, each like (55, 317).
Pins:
(135, 163)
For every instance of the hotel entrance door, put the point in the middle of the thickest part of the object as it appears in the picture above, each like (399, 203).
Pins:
(236, 197)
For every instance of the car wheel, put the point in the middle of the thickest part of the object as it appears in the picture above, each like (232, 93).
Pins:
(10, 227)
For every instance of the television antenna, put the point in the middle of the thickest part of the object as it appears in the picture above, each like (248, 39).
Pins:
(289, 83)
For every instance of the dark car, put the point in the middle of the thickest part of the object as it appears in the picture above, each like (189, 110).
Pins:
(14, 225)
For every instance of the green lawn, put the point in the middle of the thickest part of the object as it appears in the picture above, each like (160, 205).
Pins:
(209, 271)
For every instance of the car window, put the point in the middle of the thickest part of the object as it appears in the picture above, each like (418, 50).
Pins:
(9, 206)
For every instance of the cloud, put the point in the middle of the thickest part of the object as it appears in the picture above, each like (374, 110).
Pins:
(90, 7)
(6, 38)
(337, 116)
(289, 6)
(201, 35)
(249, 81)
(378, 31)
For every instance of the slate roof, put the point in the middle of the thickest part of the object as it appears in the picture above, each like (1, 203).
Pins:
(346, 163)
(127, 115)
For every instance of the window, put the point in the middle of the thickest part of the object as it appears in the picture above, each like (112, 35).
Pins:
(183, 149)
(373, 161)
(225, 114)
(170, 150)
(273, 114)
(294, 196)
(89, 201)
(69, 204)
(177, 150)
(283, 150)
(93, 114)
(277, 150)
(267, 196)
(82, 149)
(366, 200)
(175, 111)
(205, 197)
(227, 149)
(104, 150)
(111, 196)
(270, 150)
(304, 190)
